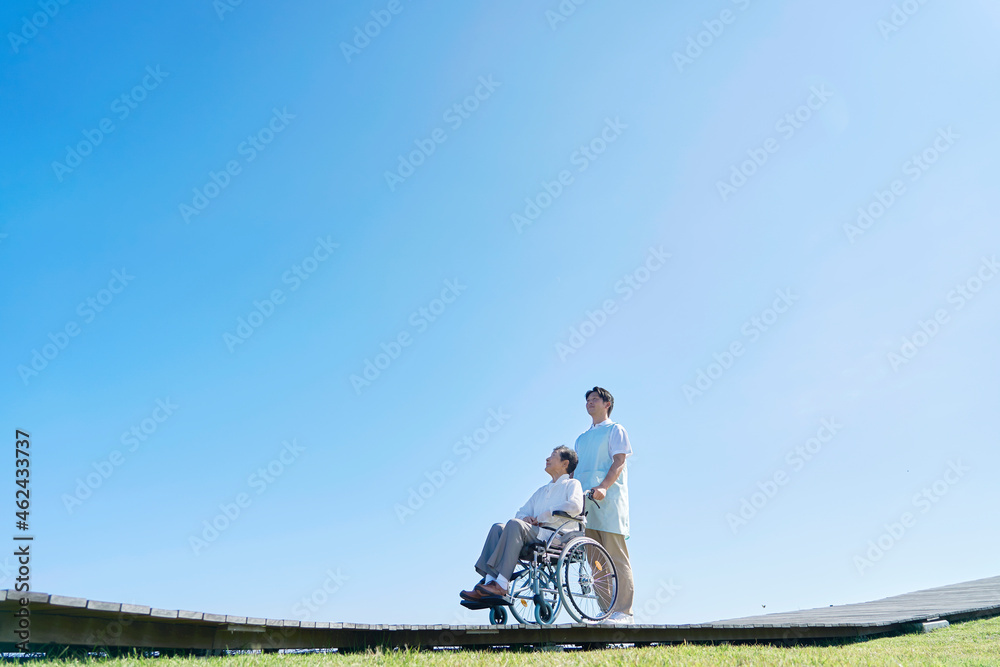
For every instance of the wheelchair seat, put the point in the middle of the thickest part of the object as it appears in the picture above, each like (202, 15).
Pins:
(564, 538)
(528, 550)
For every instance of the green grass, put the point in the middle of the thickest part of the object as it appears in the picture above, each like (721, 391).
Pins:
(971, 643)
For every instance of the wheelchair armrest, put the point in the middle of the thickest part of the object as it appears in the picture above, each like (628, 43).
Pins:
(567, 515)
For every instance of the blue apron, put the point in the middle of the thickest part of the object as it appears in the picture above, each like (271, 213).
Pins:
(595, 461)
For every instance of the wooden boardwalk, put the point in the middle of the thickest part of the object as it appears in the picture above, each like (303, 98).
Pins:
(58, 621)
(946, 602)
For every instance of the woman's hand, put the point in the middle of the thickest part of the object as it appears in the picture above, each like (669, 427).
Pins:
(597, 493)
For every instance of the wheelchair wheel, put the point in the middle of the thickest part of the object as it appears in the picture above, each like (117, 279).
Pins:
(543, 613)
(587, 580)
(498, 615)
(525, 601)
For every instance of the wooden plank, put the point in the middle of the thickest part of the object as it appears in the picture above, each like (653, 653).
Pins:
(63, 601)
(934, 625)
(137, 609)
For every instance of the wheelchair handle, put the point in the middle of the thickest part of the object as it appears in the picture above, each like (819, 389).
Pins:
(590, 494)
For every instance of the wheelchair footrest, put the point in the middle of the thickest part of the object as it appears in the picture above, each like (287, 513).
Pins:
(488, 602)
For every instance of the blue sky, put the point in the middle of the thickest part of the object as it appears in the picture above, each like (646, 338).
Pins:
(281, 139)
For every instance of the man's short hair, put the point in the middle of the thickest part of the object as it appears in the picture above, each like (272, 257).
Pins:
(605, 396)
(567, 454)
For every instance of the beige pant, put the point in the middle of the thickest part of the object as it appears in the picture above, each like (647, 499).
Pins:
(615, 544)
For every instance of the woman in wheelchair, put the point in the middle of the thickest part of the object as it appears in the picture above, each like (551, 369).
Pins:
(544, 554)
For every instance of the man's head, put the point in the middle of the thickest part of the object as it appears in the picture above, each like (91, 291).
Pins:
(599, 402)
(562, 461)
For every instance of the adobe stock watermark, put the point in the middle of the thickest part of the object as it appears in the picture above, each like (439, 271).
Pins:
(463, 450)
(88, 310)
(914, 167)
(562, 12)
(795, 460)
(30, 25)
(924, 500)
(122, 107)
(646, 613)
(928, 329)
(627, 286)
(304, 609)
(249, 149)
(446, 638)
(704, 39)
(110, 634)
(105, 468)
(454, 116)
(581, 158)
(259, 481)
(652, 606)
(8, 570)
(420, 320)
(752, 330)
(310, 604)
(899, 16)
(223, 7)
(363, 35)
(264, 309)
(787, 125)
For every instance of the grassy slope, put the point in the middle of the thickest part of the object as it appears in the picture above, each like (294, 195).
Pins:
(972, 643)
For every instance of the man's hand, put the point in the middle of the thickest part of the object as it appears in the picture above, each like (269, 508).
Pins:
(531, 521)
(598, 493)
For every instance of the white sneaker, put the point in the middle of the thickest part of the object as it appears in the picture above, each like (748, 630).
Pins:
(620, 618)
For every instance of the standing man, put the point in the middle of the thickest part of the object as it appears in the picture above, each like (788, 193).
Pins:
(602, 470)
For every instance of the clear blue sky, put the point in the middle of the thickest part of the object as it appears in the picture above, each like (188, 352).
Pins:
(246, 152)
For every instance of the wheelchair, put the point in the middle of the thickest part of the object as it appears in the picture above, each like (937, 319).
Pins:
(565, 571)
